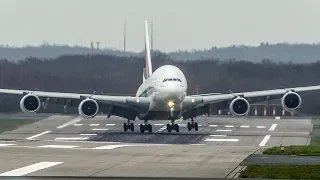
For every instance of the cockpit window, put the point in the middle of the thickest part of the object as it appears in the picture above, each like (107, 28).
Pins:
(164, 80)
(179, 80)
(169, 79)
(174, 79)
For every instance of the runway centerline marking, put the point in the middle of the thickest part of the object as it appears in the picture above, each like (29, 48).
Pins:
(222, 130)
(78, 124)
(73, 121)
(94, 124)
(110, 124)
(218, 135)
(265, 140)
(72, 138)
(273, 127)
(4, 145)
(88, 134)
(37, 135)
(100, 129)
(244, 126)
(261, 127)
(29, 169)
(110, 146)
(212, 125)
(223, 140)
(161, 129)
(57, 146)
(158, 124)
(228, 126)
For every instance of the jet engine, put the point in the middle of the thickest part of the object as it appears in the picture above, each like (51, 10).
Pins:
(291, 101)
(88, 108)
(239, 106)
(30, 103)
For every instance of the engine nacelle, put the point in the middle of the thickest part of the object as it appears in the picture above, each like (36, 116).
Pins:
(239, 106)
(291, 101)
(88, 108)
(30, 103)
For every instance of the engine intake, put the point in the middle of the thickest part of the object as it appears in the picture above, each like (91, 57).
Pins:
(291, 101)
(88, 108)
(30, 103)
(239, 106)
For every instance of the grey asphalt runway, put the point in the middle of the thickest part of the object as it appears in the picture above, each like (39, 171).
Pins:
(70, 146)
(261, 159)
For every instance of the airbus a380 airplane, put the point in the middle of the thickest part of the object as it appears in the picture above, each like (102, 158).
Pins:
(161, 96)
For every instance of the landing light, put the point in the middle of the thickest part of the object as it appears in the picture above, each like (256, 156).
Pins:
(171, 109)
(170, 103)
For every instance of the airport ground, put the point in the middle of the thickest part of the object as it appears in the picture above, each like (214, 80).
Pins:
(61, 145)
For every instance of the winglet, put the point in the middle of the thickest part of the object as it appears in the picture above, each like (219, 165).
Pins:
(147, 49)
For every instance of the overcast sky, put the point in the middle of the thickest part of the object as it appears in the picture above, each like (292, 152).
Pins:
(178, 24)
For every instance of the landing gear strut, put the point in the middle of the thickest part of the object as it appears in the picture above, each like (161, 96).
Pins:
(128, 126)
(172, 126)
(192, 125)
(145, 127)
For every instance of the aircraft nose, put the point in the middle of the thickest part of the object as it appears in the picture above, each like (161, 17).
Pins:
(173, 92)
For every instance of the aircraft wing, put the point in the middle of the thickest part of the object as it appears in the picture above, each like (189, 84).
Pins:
(222, 101)
(124, 102)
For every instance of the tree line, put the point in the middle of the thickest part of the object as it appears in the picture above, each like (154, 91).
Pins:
(122, 75)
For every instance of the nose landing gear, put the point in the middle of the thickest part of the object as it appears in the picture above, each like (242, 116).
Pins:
(192, 125)
(145, 127)
(128, 126)
(172, 126)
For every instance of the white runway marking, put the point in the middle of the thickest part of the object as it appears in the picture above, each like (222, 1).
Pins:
(110, 124)
(273, 127)
(223, 140)
(88, 134)
(73, 121)
(37, 135)
(78, 124)
(161, 129)
(4, 145)
(261, 127)
(72, 138)
(158, 124)
(264, 140)
(222, 130)
(100, 129)
(218, 135)
(94, 124)
(245, 126)
(211, 125)
(183, 125)
(29, 169)
(57, 146)
(228, 126)
(110, 146)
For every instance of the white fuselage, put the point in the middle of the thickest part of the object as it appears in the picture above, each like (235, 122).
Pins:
(166, 88)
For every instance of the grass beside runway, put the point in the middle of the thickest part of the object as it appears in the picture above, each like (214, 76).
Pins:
(282, 172)
(11, 124)
(299, 150)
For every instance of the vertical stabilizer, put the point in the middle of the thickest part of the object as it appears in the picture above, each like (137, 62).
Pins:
(148, 69)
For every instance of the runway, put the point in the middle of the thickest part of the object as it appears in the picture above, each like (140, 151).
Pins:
(98, 147)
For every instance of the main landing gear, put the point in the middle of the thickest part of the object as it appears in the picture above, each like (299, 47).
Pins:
(172, 126)
(145, 127)
(192, 125)
(128, 126)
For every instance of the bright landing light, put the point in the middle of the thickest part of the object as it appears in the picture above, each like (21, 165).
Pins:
(170, 104)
